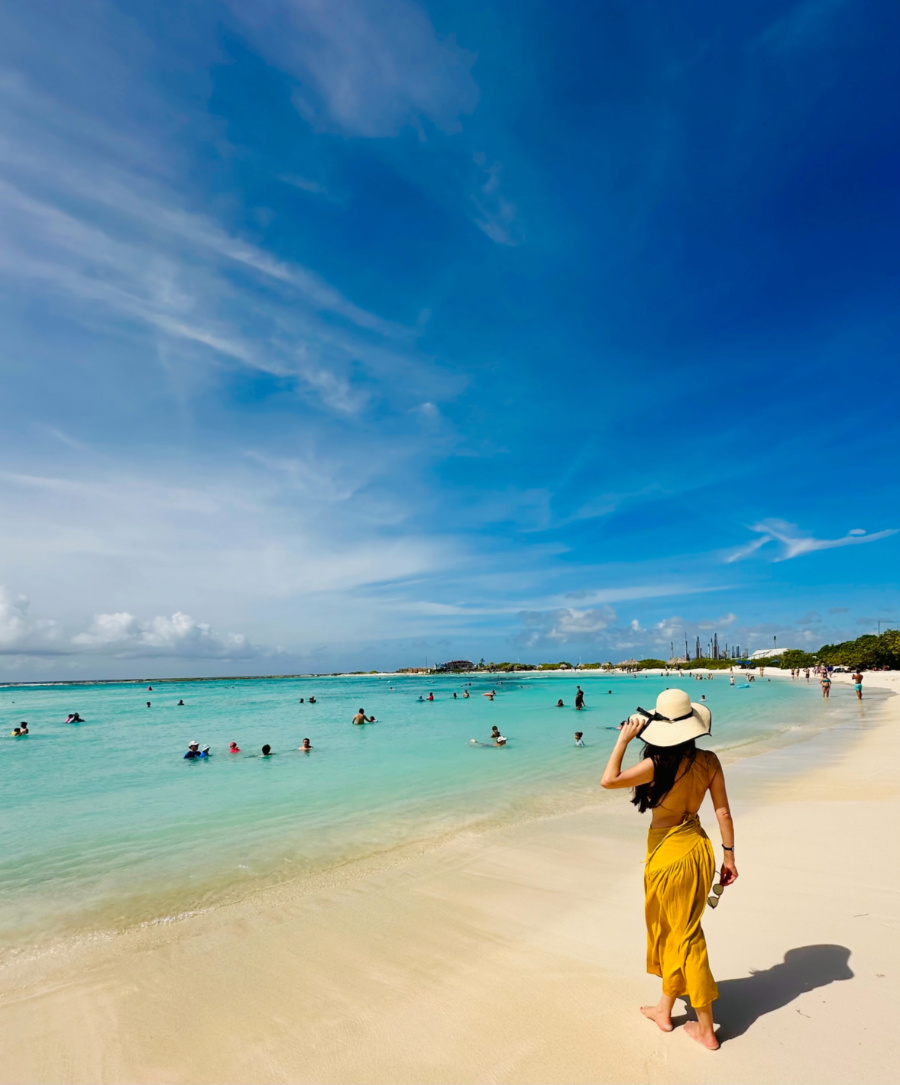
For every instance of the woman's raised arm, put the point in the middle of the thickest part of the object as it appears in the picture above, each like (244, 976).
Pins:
(642, 773)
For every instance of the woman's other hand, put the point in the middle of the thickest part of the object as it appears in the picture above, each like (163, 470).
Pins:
(729, 871)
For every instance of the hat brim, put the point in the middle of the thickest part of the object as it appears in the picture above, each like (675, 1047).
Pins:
(674, 732)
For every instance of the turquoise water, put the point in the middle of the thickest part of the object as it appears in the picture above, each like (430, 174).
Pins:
(105, 824)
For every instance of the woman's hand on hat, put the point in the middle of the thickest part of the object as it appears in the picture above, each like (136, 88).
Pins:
(631, 728)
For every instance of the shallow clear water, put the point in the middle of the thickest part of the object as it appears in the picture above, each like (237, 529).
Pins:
(106, 825)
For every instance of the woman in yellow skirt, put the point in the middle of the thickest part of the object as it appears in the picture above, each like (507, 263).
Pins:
(671, 780)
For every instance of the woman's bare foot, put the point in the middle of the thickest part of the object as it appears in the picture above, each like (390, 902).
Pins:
(703, 1037)
(663, 1020)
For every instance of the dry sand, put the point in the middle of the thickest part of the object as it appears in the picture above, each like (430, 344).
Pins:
(517, 956)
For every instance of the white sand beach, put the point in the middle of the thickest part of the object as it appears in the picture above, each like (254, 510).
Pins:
(516, 956)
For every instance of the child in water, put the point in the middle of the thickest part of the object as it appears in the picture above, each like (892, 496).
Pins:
(579, 738)
(234, 748)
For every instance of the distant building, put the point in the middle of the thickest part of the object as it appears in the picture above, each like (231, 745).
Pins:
(457, 665)
(769, 653)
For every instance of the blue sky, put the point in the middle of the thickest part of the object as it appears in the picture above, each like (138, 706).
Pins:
(360, 334)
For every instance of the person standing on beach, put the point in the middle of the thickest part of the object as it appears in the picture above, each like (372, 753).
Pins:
(825, 683)
(857, 684)
(672, 780)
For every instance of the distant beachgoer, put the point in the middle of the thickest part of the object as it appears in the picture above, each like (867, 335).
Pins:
(495, 731)
(857, 684)
(454, 695)
(825, 683)
(579, 698)
(421, 699)
(702, 696)
(16, 732)
(430, 696)
(267, 750)
(559, 703)
(731, 681)
(312, 700)
(193, 751)
(305, 746)
(579, 738)
(148, 704)
(490, 696)
(672, 780)
(499, 740)
(149, 689)
(180, 703)
(609, 691)
(234, 748)
(301, 700)
(465, 694)
(806, 674)
(361, 717)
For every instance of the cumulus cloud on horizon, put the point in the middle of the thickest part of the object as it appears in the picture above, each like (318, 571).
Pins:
(119, 634)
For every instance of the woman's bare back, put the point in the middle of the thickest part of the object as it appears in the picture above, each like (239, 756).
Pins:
(686, 796)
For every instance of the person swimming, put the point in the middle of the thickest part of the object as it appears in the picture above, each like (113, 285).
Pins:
(234, 748)
(179, 703)
(498, 740)
(421, 699)
(430, 696)
(266, 750)
(148, 704)
(312, 700)
(454, 695)
(559, 703)
(305, 746)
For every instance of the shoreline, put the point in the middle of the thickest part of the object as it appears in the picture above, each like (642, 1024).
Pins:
(496, 949)
(141, 905)
(570, 672)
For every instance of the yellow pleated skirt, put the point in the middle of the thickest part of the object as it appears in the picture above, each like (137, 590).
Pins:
(680, 869)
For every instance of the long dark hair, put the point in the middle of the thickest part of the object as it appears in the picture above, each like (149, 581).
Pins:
(666, 763)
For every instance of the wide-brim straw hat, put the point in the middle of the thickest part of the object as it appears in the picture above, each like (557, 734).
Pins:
(676, 719)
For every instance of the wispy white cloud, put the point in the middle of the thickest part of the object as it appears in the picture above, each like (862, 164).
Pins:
(794, 544)
(806, 25)
(365, 69)
(493, 213)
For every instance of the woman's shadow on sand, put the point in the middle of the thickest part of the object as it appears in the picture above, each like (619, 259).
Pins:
(742, 1002)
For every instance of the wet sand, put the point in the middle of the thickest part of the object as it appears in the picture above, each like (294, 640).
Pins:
(515, 956)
